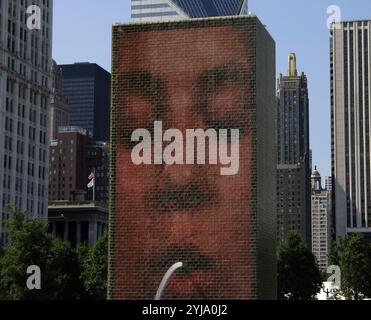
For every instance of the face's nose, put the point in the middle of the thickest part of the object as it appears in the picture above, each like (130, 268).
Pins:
(181, 187)
(177, 175)
(183, 114)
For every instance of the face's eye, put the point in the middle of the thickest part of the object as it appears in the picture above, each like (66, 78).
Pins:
(227, 108)
(224, 98)
(136, 114)
(141, 97)
(139, 110)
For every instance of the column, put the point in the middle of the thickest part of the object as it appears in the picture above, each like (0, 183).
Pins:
(78, 230)
(65, 231)
(54, 230)
(99, 230)
(92, 232)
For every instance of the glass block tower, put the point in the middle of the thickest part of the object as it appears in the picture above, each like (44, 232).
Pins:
(25, 90)
(163, 10)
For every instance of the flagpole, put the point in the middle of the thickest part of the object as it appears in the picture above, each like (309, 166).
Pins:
(94, 186)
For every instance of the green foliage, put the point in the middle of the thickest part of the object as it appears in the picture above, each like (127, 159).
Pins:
(63, 271)
(298, 275)
(353, 255)
(94, 272)
(29, 244)
(66, 273)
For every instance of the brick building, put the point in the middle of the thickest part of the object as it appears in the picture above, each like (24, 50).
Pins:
(73, 156)
(321, 221)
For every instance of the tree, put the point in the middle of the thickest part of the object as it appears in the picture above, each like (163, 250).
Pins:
(298, 275)
(353, 255)
(94, 265)
(30, 244)
(63, 272)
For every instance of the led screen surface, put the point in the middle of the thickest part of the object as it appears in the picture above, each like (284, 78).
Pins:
(183, 170)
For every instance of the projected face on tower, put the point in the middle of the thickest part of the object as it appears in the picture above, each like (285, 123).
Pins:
(174, 202)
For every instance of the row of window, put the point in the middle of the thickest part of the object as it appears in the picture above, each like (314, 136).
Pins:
(24, 93)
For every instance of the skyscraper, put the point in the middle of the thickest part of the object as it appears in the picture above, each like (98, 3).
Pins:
(25, 88)
(328, 183)
(161, 10)
(87, 87)
(293, 168)
(321, 220)
(350, 125)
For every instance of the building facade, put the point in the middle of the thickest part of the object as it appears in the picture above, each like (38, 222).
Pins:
(59, 108)
(74, 155)
(164, 10)
(77, 221)
(350, 123)
(87, 87)
(328, 183)
(321, 221)
(293, 168)
(25, 88)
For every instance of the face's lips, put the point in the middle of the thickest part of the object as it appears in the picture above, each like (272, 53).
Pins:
(189, 280)
(191, 286)
(191, 258)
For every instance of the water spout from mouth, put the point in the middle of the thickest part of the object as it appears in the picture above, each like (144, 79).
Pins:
(166, 279)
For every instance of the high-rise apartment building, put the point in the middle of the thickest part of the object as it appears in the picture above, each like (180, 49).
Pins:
(293, 168)
(163, 10)
(87, 87)
(59, 108)
(321, 221)
(25, 88)
(328, 183)
(350, 122)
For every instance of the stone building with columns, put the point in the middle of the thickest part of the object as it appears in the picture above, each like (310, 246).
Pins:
(77, 221)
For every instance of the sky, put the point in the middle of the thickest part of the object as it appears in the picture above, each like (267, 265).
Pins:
(82, 33)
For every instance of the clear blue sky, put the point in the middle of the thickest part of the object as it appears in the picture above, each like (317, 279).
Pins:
(82, 32)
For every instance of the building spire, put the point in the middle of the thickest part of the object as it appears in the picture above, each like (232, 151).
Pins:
(293, 72)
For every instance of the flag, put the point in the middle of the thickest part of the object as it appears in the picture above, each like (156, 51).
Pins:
(91, 184)
(92, 180)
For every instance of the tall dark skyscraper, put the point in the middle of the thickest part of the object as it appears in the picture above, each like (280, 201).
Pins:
(351, 125)
(293, 168)
(87, 87)
(161, 10)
